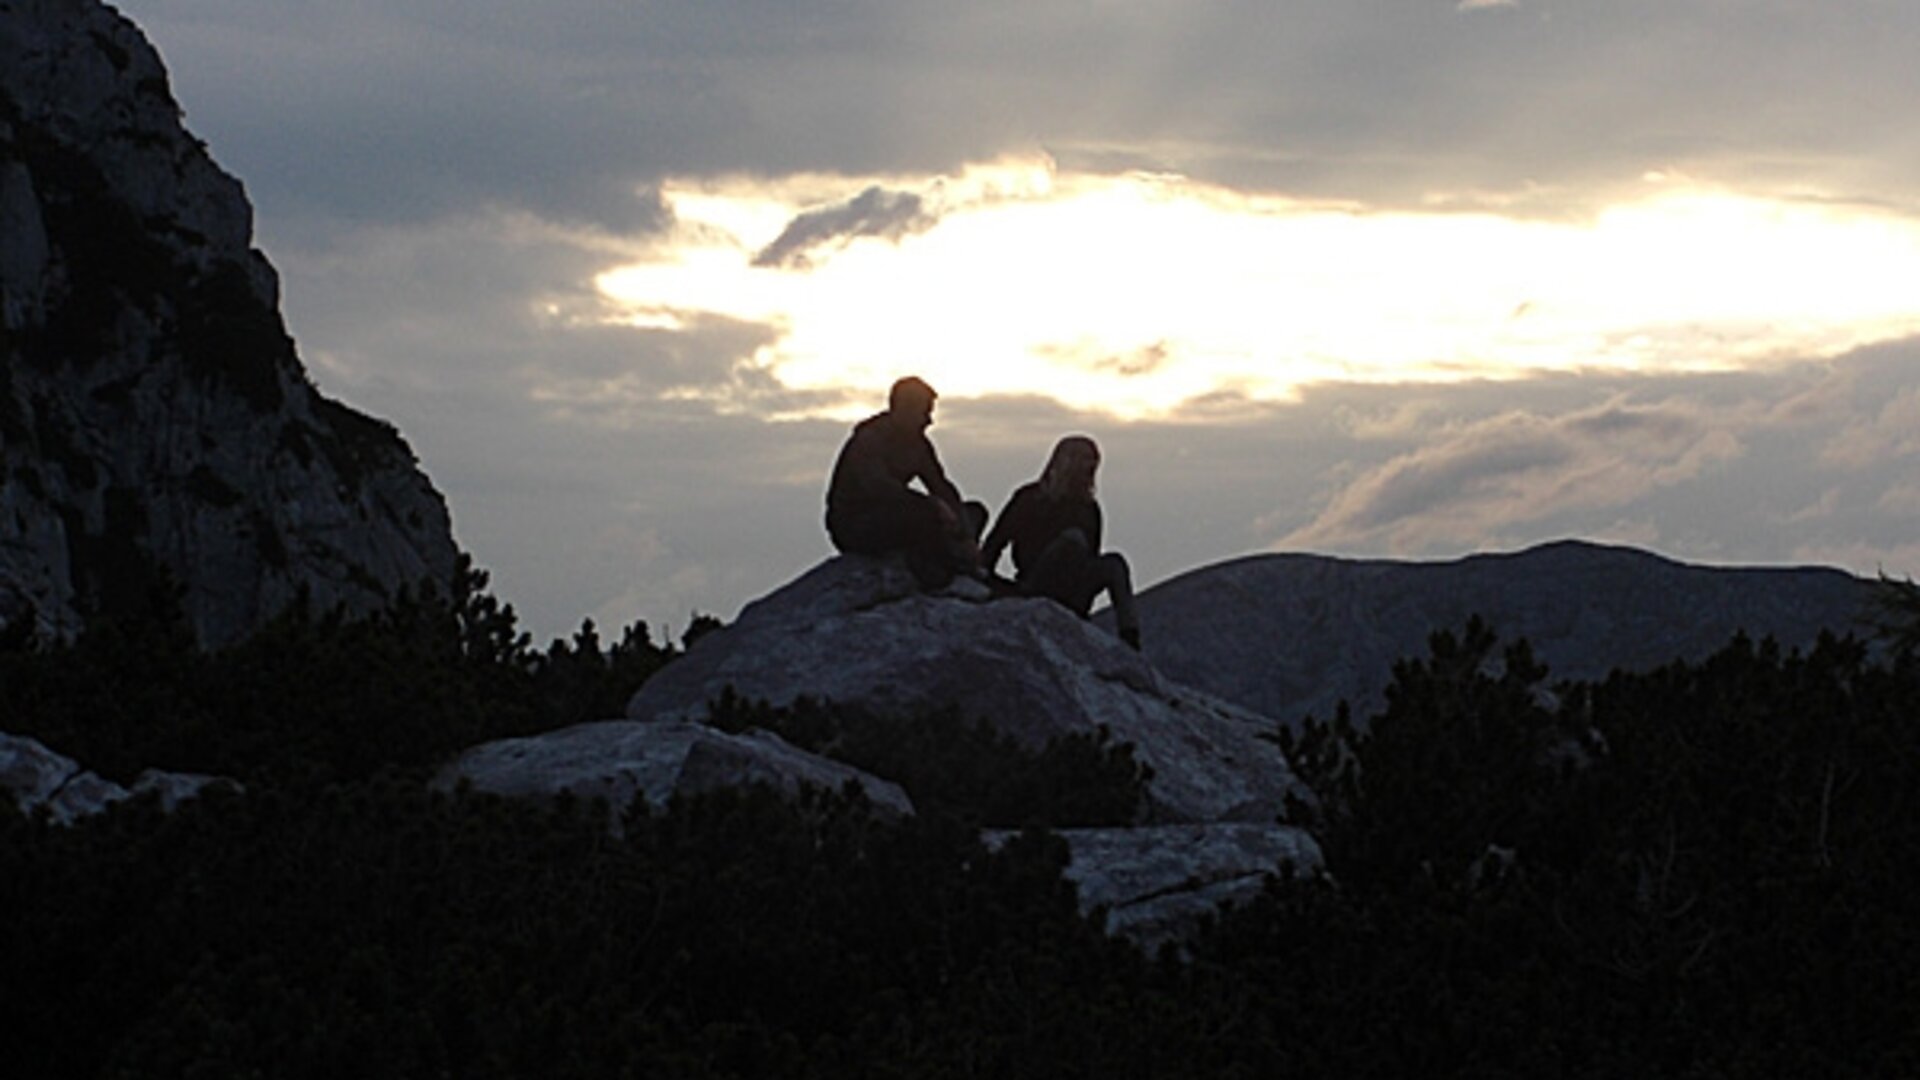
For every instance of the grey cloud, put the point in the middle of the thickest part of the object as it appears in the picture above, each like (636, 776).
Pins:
(499, 305)
(416, 145)
(688, 511)
(596, 470)
(1144, 360)
(1890, 434)
(1489, 459)
(1621, 421)
(1902, 500)
(1726, 467)
(578, 111)
(875, 212)
(1517, 467)
(365, 113)
(612, 373)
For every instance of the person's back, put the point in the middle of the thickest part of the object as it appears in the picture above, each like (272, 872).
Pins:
(877, 463)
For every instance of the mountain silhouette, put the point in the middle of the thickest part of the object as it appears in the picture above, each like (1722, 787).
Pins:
(1287, 635)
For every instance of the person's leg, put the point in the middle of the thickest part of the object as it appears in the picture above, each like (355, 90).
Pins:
(1116, 577)
(856, 533)
(910, 525)
(1071, 575)
(923, 534)
(973, 518)
(963, 539)
(1063, 573)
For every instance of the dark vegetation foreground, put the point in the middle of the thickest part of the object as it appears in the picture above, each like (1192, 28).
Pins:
(1706, 870)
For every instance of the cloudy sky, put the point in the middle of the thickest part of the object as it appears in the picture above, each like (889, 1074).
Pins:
(1410, 278)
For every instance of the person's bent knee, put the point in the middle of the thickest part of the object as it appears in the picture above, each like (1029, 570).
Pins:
(1070, 540)
(973, 518)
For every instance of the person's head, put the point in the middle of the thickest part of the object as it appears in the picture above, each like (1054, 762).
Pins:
(1070, 469)
(911, 400)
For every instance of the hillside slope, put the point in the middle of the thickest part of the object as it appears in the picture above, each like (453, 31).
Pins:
(1290, 634)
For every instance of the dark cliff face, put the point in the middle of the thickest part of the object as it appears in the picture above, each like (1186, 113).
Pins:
(157, 430)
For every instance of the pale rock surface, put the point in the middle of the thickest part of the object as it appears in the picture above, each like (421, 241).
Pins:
(174, 788)
(855, 631)
(1291, 634)
(1158, 883)
(616, 760)
(37, 777)
(154, 417)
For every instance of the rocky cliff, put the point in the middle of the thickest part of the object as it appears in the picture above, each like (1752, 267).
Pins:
(156, 426)
(1287, 635)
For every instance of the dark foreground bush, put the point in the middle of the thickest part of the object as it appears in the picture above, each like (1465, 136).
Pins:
(1701, 871)
(950, 766)
(317, 698)
(374, 930)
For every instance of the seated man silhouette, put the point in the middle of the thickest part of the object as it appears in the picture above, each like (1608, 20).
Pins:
(871, 510)
(1053, 525)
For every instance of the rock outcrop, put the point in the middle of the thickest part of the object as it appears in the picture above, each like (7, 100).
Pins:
(855, 631)
(37, 778)
(156, 426)
(1288, 635)
(616, 761)
(1156, 885)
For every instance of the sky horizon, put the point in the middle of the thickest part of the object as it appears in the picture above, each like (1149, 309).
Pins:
(1361, 279)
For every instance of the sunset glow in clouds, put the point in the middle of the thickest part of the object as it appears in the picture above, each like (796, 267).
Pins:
(1133, 294)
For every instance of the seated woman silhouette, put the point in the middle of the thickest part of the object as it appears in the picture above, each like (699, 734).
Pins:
(1053, 525)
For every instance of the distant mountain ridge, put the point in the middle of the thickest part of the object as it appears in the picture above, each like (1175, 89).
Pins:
(156, 426)
(1286, 635)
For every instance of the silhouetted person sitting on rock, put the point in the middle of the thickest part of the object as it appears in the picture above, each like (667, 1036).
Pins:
(1053, 524)
(871, 510)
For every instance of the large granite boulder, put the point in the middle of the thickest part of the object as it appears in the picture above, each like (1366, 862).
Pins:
(617, 760)
(1291, 634)
(856, 631)
(1157, 884)
(38, 779)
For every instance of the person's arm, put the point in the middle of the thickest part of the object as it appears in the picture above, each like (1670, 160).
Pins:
(1094, 523)
(1001, 534)
(934, 477)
